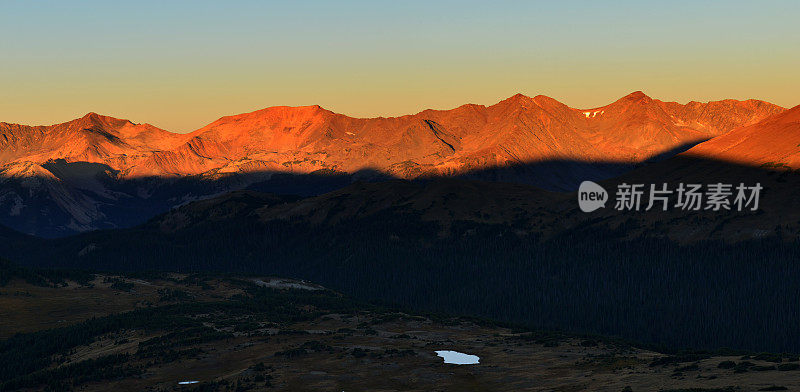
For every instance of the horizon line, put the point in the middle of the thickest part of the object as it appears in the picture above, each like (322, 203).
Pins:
(637, 92)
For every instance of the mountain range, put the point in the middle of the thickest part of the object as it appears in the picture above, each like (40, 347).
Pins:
(102, 172)
(492, 237)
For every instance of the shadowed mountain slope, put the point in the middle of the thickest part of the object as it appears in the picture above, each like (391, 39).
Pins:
(507, 251)
(100, 172)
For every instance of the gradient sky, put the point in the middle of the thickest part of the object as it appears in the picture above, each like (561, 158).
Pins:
(182, 64)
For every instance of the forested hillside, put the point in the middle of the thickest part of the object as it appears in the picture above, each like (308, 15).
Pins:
(739, 295)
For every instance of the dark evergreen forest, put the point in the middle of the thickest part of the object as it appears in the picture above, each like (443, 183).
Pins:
(708, 295)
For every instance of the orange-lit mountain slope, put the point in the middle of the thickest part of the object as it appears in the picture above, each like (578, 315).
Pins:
(772, 142)
(83, 174)
(518, 130)
(91, 138)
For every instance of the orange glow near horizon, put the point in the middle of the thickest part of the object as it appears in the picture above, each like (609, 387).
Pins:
(183, 65)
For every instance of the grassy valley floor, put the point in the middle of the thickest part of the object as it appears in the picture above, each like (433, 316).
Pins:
(149, 333)
(135, 333)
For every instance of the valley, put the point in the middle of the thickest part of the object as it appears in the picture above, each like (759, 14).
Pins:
(420, 196)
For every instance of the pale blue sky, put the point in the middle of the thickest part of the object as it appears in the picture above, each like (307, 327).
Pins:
(181, 64)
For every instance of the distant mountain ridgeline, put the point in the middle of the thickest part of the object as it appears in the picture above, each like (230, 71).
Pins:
(99, 172)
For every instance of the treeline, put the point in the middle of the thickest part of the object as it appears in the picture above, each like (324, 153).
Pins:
(44, 277)
(703, 296)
